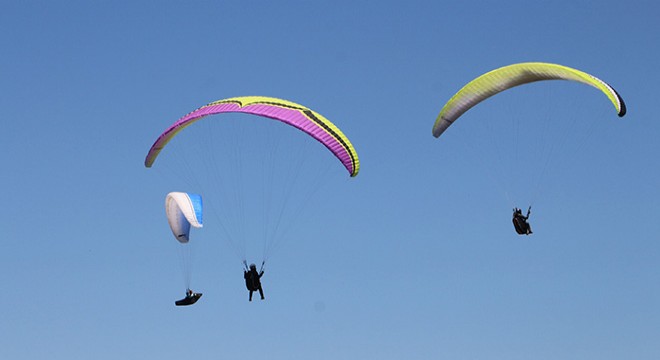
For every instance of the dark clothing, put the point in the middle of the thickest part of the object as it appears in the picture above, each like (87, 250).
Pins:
(253, 282)
(191, 298)
(520, 222)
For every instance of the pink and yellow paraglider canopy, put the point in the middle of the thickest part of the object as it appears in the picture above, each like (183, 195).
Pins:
(290, 113)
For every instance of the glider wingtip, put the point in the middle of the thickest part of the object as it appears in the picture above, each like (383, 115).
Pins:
(623, 110)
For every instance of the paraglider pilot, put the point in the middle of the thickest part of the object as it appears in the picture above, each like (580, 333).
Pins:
(252, 279)
(191, 298)
(520, 221)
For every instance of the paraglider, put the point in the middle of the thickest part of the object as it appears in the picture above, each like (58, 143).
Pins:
(507, 77)
(298, 116)
(183, 211)
(253, 196)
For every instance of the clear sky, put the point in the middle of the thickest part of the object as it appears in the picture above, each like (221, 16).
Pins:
(415, 258)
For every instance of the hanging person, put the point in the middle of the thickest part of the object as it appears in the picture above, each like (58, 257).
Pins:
(191, 298)
(520, 221)
(253, 280)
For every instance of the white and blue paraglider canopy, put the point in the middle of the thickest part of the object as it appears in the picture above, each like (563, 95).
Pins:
(183, 211)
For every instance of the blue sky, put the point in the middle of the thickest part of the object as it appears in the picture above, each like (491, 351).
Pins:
(417, 257)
